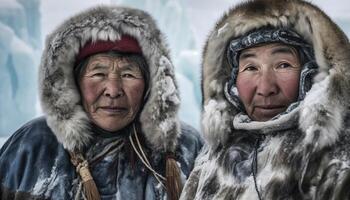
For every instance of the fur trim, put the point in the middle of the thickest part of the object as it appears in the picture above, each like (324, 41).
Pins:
(59, 95)
(331, 48)
(310, 161)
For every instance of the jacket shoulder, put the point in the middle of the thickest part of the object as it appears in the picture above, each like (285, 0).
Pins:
(190, 135)
(190, 143)
(29, 153)
(33, 132)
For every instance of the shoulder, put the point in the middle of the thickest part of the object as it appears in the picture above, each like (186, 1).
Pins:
(190, 139)
(33, 133)
(32, 138)
(189, 135)
(190, 143)
(29, 153)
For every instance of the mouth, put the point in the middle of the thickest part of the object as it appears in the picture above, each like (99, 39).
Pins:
(270, 107)
(266, 112)
(113, 109)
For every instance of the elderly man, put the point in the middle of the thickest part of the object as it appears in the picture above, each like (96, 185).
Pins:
(276, 82)
(111, 129)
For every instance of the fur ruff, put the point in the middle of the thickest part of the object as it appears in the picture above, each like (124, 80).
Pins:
(310, 161)
(332, 56)
(59, 95)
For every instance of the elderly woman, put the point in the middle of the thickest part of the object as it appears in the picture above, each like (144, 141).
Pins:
(111, 129)
(276, 82)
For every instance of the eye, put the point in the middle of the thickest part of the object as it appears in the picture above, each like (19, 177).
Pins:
(99, 75)
(284, 65)
(250, 68)
(128, 75)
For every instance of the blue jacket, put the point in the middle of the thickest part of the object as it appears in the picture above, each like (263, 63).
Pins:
(34, 165)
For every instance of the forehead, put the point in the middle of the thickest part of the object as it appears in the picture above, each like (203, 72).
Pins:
(107, 58)
(270, 48)
(110, 61)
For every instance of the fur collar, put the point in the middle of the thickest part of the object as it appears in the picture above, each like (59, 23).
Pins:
(60, 98)
(321, 112)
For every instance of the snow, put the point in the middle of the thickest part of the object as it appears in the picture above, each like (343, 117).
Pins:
(222, 29)
(18, 63)
(169, 90)
(188, 65)
(190, 109)
(213, 116)
(45, 184)
(6, 35)
(9, 4)
(2, 141)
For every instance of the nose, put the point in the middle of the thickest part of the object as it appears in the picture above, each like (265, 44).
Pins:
(114, 88)
(267, 85)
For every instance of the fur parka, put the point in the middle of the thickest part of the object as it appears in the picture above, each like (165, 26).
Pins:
(303, 156)
(35, 163)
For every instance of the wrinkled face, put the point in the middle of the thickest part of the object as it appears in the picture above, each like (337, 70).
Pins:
(268, 79)
(112, 90)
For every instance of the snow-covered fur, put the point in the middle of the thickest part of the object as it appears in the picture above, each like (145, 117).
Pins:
(311, 160)
(36, 162)
(60, 98)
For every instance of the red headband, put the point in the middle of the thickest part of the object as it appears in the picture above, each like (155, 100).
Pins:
(126, 44)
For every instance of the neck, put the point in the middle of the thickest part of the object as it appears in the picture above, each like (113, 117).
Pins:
(100, 132)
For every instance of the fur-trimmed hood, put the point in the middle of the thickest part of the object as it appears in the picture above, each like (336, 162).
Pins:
(60, 98)
(301, 154)
(321, 111)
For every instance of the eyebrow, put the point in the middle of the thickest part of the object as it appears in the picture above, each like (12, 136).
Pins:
(283, 49)
(130, 67)
(276, 50)
(98, 66)
(246, 55)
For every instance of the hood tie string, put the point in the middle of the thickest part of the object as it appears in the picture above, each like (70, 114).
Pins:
(82, 167)
(141, 154)
(255, 166)
(172, 179)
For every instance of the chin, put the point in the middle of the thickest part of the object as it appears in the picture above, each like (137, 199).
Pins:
(113, 128)
(263, 118)
(111, 124)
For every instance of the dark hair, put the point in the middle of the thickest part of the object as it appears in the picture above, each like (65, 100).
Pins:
(138, 59)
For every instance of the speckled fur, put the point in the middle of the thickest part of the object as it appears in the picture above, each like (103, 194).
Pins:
(307, 162)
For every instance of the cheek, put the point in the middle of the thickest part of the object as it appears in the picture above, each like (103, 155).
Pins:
(89, 92)
(245, 87)
(135, 92)
(290, 87)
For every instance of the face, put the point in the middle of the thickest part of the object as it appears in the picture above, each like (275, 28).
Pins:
(268, 80)
(112, 90)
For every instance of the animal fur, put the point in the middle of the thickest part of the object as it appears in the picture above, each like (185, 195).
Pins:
(60, 97)
(300, 163)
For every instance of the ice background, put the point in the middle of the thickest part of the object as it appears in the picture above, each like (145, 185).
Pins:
(186, 24)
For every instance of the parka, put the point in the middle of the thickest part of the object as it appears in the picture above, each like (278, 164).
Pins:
(302, 154)
(35, 162)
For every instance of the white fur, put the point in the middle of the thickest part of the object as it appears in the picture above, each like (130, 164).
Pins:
(328, 124)
(212, 121)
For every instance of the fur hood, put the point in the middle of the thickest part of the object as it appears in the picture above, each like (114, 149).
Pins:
(303, 154)
(321, 112)
(60, 98)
